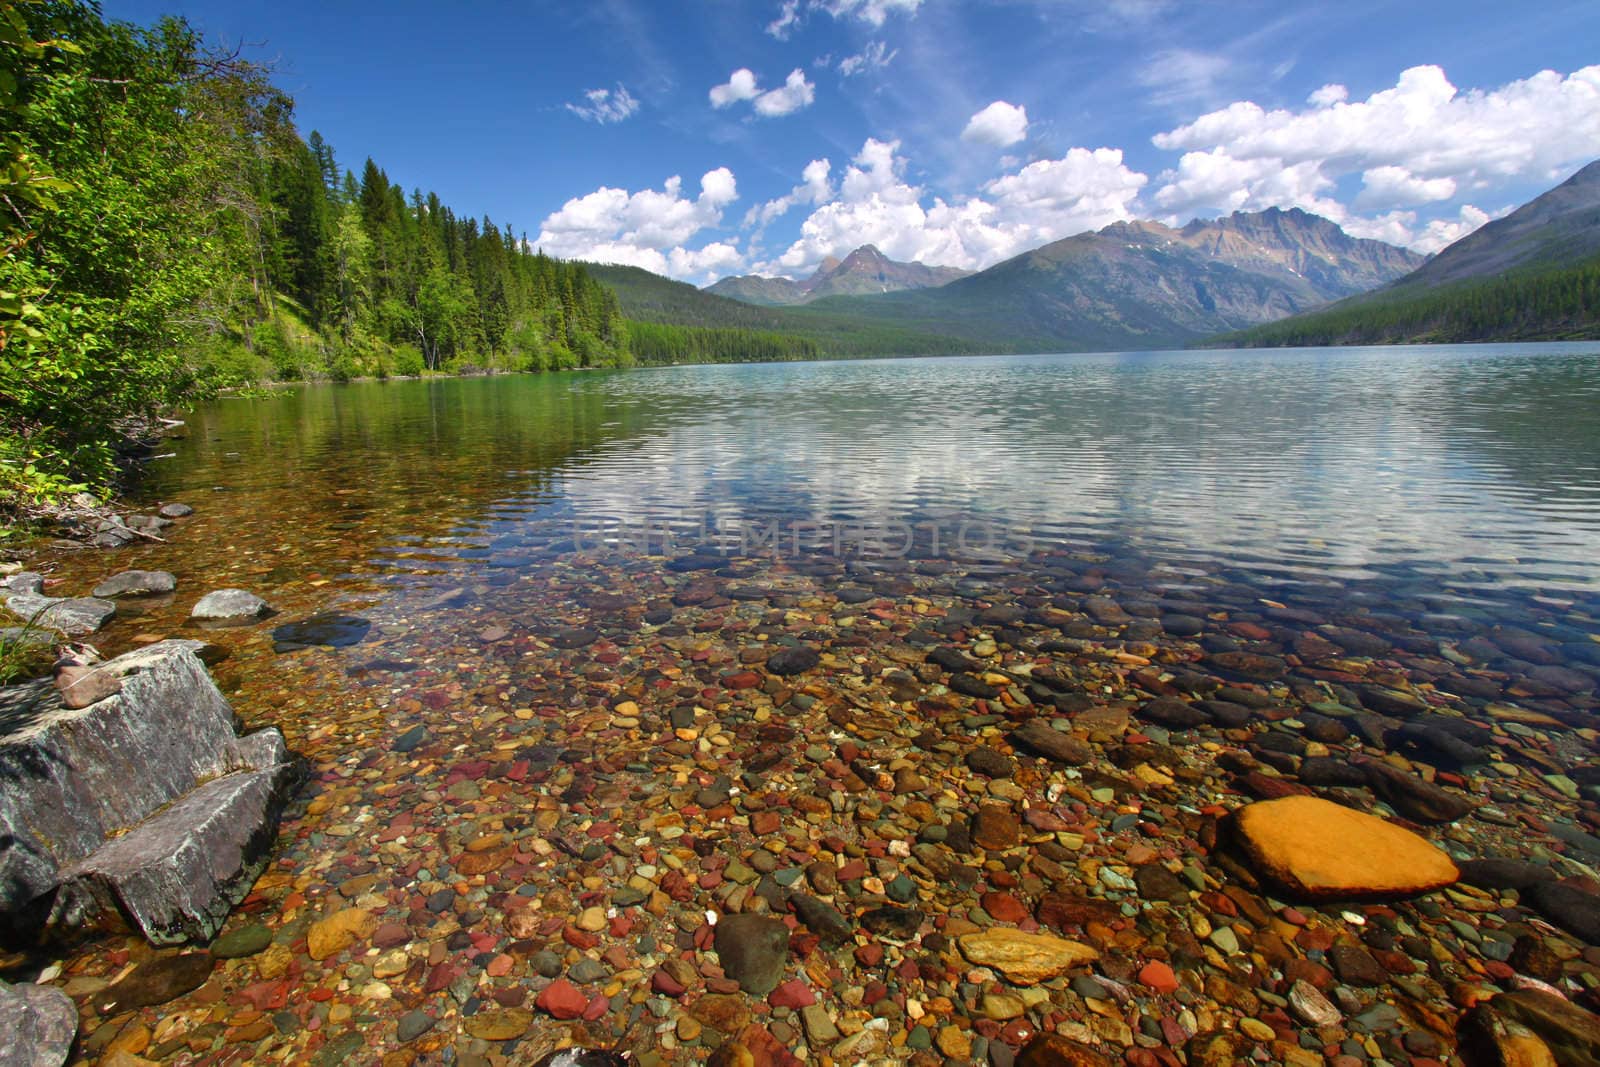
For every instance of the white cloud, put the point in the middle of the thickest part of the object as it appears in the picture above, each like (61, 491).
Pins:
(1329, 95)
(1400, 228)
(873, 12)
(795, 93)
(1000, 124)
(788, 18)
(875, 56)
(741, 85)
(646, 229)
(1395, 186)
(814, 188)
(1182, 76)
(1408, 142)
(605, 105)
(1043, 202)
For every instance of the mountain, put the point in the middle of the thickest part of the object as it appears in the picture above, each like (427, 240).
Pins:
(1532, 275)
(864, 271)
(699, 324)
(1147, 285)
(1558, 229)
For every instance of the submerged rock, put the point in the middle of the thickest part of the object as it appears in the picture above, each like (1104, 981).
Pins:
(137, 583)
(1025, 959)
(230, 604)
(753, 950)
(329, 629)
(1317, 849)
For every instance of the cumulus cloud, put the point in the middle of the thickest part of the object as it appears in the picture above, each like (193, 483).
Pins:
(814, 188)
(648, 229)
(605, 105)
(795, 93)
(1391, 185)
(874, 204)
(875, 56)
(1401, 228)
(1000, 124)
(1409, 138)
(741, 85)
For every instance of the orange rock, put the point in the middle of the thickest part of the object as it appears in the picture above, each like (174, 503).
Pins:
(1318, 849)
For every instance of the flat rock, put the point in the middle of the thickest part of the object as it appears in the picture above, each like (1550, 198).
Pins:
(822, 918)
(137, 583)
(39, 1023)
(1413, 798)
(1025, 959)
(787, 661)
(157, 981)
(1576, 912)
(245, 941)
(1053, 1050)
(71, 616)
(175, 510)
(229, 604)
(1497, 873)
(328, 629)
(753, 950)
(1320, 850)
(1041, 738)
(1572, 1033)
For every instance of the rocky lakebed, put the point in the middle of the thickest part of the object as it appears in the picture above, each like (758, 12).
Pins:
(1074, 809)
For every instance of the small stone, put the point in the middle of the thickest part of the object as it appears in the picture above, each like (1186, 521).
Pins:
(1040, 737)
(410, 739)
(561, 1000)
(503, 1025)
(175, 510)
(1311, 1007)
(157, 981)
(995, 827)
(787, 661)
(1002, 1006)
(337, 932)
(1158, 976)
(413, 1024)
(1053, 1050)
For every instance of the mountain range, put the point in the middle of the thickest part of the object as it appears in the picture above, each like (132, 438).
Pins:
(1267, 277)
(863, 272)
(1532, 275)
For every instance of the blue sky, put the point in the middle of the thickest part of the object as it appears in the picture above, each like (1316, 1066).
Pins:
(719, 137)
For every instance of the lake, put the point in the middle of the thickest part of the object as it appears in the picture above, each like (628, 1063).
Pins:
(946, 642)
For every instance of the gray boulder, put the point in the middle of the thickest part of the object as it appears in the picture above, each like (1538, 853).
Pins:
(143, 808)
(39, 1023)
(73, 617)
(137, 583)
(230, 604)
(23, 582)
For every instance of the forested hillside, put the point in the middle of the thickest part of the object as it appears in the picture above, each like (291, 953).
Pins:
(168, 230)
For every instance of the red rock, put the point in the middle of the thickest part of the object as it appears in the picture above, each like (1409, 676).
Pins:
(1158, 976)
(668, 986)
(870, 954)
(562, 1000)
(792, 994)
(1003, 907)
(742, 680)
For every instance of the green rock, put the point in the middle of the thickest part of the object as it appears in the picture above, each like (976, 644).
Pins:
(245, 941)
(919, 1038)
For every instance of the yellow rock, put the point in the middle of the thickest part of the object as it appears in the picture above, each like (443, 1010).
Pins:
(1321, 850)
(500, 1025)
(338, 932)
(593, 920)
(1025, 959)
